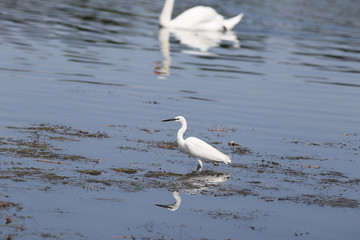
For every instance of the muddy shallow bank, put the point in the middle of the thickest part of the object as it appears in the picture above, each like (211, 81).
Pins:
(50, 186)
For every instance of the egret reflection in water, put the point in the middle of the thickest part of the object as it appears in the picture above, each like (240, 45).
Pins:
(199, 41)
(194, 183)
(174, 206)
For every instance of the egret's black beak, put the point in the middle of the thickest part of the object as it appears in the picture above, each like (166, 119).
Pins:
(168, 120)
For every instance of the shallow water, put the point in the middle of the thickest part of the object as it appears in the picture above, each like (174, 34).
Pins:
(87, 83)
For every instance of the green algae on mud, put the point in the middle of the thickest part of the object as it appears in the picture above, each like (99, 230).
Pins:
(38, 140)
(245, 215)
(6, 205)
(90, 172)
(22, 174)
(167, 145)
(322, 201)
(104, 182)
(161, 174)
(125, 170)
(350, 142)
(10, 215)
(146, 145)
(269, 178)
(58, 130)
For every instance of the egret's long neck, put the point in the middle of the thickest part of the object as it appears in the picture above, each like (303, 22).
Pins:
(165, 16)
(180, 134)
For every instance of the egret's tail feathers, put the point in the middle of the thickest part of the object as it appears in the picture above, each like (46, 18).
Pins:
(227, 159)
(231, 22)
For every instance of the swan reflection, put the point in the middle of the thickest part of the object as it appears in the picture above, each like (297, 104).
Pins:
(194, 183)
(200, 41)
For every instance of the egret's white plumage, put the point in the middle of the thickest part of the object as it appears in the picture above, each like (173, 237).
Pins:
(197, 148)
(196, 18)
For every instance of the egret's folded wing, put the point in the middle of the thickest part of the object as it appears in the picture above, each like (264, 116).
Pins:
(202, 150)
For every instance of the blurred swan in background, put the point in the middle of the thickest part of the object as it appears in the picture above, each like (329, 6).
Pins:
(201, 42)
(196, 18)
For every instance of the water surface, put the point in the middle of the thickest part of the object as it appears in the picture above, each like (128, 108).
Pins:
(284, 84)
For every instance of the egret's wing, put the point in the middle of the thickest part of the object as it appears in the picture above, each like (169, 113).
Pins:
(203, 151)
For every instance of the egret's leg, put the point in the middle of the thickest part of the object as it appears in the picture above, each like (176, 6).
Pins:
(200, 165)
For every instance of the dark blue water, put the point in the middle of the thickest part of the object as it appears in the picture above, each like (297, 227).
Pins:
(285, 82)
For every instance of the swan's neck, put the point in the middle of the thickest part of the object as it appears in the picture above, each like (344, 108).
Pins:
(165, 16)
(180, 134)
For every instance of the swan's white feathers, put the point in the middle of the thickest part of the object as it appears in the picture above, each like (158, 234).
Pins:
(198, 18)
(231, 22)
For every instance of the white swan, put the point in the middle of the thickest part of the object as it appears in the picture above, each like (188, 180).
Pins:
(196, 18)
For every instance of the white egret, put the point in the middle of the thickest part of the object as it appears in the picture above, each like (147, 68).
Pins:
(196, 18)
(197, 148)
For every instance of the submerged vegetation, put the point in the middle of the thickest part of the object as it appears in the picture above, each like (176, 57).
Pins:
(39, 142)
(46, 128)
(267, 177)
